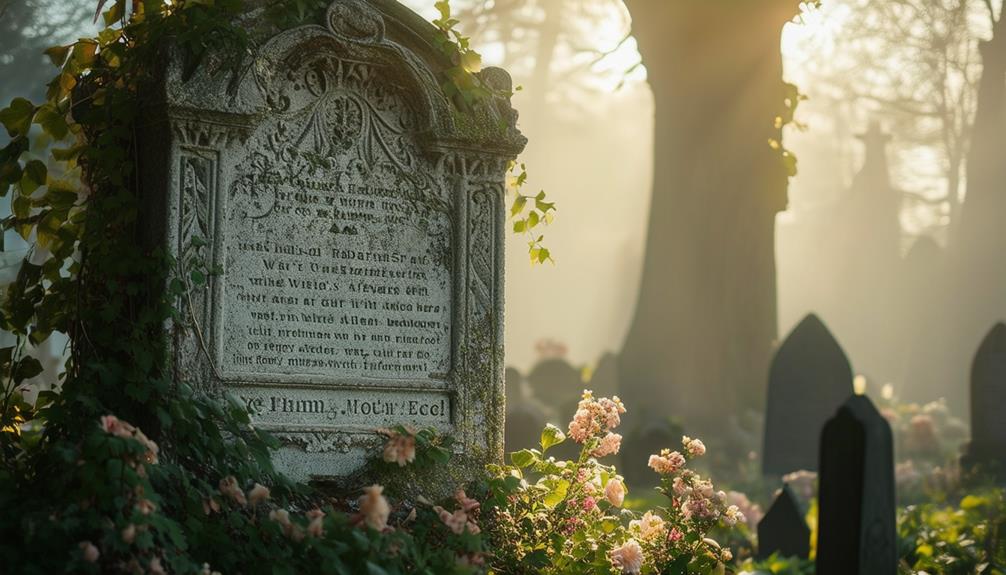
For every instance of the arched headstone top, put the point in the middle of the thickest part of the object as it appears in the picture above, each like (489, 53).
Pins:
(809, 379)
(306, 64)
(988, 400)
(812, 336)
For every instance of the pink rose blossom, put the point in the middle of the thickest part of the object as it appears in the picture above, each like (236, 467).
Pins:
(628, 557)
(667, 462)
(614, 492)
(375, 508)
(400, 448)
(609, 445)
(229, 487)
(258, 494)
(89, 551)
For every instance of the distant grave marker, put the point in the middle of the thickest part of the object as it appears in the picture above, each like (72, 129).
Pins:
(358, 218)
(856, 521)
(987, 449)
(809, 379)
(784, 530)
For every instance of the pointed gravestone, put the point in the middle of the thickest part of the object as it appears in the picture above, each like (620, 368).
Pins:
(809, 379)
(987, 449)
(783, 530)
(856, 520)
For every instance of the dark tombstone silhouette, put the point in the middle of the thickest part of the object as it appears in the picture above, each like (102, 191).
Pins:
(524, 422)
(856, 521)
(641, 443)
(987, 449)
(783, 530)
(557, 384)
(809, 379)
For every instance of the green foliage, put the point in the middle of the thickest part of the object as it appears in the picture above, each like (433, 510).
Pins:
(776, 565)
(464, 85)
(967, 538)
(528, 213)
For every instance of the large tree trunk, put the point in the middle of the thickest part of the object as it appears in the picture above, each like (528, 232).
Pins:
(705, 321)
(978, 293)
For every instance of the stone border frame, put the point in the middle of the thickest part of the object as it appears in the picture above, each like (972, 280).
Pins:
(471, 149)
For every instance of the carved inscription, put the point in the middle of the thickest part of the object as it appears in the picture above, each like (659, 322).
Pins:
(344, 276)
(296, 407)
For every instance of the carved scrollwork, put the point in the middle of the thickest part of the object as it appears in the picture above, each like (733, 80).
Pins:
(355, 20)
(328, 442)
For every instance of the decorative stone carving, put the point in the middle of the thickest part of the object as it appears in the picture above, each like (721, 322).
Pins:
(358, 218)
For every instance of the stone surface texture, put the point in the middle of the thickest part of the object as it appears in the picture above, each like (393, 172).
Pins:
(357, 216)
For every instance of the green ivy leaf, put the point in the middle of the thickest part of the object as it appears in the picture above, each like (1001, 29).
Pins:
(557, 491)
(551, 436)
(57, 55)
(524, 458)
(17, 117)
(27, 368)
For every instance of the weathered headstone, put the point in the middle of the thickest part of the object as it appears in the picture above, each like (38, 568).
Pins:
(784, 530)
(358, 217)
(987, 449)
(856, 521)
(809, 379)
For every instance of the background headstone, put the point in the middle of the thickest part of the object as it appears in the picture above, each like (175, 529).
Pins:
(358, 218)
(784, 530)
(557, 384)
(987, 449)
(856, 522)
(809, 379)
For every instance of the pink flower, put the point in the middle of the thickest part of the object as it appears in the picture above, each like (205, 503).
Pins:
(316, 528)
(281, 516)
(675, 534)
(650, 527)
(595, 416)
(733, 516)
(129, 534)
(693, 447)
(667, 462)
(609, 445)
(614, 492)
(155, 566)
(89, 551)
(628, 557)
(374, 507)
(229, 487)
(456, 521)
(145, 507)
(400, 448)
(117, 427)
(258, 494)
(467, 504)
(589, 503)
